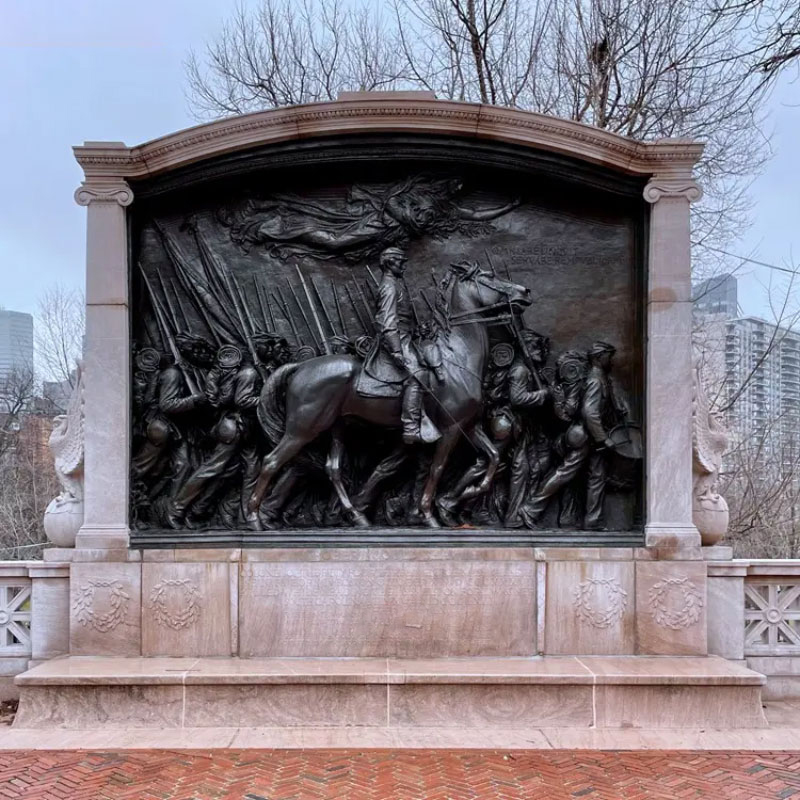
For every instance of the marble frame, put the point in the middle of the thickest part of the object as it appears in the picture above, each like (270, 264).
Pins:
(666, 164)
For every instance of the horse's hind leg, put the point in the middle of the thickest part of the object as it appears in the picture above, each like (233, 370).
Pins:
(333, 466)
(286, 449)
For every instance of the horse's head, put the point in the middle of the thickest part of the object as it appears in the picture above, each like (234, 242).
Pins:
(486, 293)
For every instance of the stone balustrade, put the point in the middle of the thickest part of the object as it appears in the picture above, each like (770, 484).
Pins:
(34, 617)
(772, 624)
(754, 617)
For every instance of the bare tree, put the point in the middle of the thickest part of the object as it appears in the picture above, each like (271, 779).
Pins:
(60, 324)
(643, 68)
(289, 52)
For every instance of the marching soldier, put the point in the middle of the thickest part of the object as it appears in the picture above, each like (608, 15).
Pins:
(165, 400)
(233, 387)
(525, 394)
(603, 410)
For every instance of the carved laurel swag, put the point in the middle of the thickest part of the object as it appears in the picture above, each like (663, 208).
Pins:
(587, 592)
(669, 588)
(177, 592)
(104, 622)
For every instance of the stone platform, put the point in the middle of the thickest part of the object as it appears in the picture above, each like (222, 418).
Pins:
(600, 692)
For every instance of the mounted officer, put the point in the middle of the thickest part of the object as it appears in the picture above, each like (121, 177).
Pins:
(394, 360)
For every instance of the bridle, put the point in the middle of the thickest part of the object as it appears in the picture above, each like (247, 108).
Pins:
(477, 316)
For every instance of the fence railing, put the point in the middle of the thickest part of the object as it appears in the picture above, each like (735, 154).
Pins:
(772, 608)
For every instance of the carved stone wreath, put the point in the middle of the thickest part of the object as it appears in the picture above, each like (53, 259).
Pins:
(85, 612)
(605, 616)
(182, 593)
(676, 619)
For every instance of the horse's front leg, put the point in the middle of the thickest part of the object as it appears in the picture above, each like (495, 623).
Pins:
(443, 449)
(333, 466)
(482, 441)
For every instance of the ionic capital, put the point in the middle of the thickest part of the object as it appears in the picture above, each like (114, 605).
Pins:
(117, 192)
(686, 188)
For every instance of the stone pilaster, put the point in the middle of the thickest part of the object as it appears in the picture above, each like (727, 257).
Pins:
(669, 368)
(106, 367)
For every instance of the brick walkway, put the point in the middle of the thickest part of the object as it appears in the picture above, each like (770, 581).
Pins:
(396, 775)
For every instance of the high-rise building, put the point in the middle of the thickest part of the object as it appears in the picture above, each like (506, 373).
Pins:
(716, 295)
(16, 342)
(752, 367)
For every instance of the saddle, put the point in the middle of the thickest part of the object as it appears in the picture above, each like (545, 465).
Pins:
(380, 376)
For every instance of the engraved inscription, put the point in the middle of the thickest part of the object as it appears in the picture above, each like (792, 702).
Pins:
(675, 603)
(406, 610)
(105, 593)
(175, 603)
(600, 602)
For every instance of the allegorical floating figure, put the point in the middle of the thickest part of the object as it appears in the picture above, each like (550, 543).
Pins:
(369, 221)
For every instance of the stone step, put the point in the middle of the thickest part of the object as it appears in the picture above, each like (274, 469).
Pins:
(567, 691)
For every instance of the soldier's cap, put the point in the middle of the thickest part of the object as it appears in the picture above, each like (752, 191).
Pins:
(598, 348)
(266, 338)
(188, 340)
(148, 359)
(229, 356)
(392, 251)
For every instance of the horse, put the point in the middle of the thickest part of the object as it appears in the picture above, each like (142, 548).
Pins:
(302, 400)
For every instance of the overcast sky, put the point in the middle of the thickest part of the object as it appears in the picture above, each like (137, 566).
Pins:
(72, 70)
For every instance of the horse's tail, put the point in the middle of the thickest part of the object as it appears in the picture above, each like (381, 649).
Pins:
(272, 404)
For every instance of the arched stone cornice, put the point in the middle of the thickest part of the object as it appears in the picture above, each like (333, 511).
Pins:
(387, 114)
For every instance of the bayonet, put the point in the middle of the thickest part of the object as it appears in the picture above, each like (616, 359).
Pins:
(325, 344)
(323, 307)
(372, 275)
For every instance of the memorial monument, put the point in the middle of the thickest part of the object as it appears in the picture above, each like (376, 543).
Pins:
(389, 412)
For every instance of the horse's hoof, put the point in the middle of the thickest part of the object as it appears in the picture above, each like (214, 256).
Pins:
(431, 521)
(359, 520)
(446, 515)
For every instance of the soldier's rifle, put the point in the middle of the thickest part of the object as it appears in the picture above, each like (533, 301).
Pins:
(366, 304)
(355, 310)
(266, 308)
(283, 306)
(302, 314)
(179, 320)
(246, 320)
(339, 311)
(323, 307)
(325, 343)
(166, 334)
(375, 281)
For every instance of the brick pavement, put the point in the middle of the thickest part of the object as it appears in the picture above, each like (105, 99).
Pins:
(396, 775)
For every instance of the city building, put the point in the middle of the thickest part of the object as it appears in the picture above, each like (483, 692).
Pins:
(16, 342)
(752, 367)
(716, 295)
